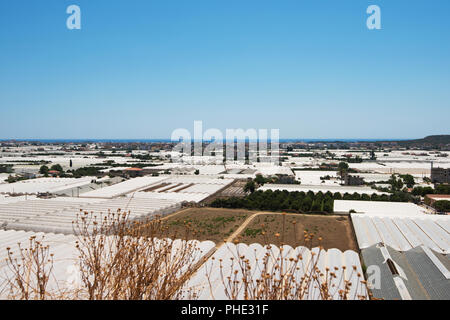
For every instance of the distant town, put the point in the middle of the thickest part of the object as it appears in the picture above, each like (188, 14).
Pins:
(349, 196)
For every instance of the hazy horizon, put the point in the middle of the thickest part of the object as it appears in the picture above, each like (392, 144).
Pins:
(169, 140)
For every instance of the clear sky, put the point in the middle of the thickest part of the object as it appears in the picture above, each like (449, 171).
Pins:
(140, 69)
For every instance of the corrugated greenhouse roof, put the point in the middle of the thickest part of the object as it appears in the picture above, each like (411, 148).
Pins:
(403, 234)
(416, 274)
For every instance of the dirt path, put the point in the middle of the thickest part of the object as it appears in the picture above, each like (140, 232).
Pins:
(250, 219)
(338, 234)
(174, 214)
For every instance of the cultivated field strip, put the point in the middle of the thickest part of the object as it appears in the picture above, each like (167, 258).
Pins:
(403, 234)
(184, 188)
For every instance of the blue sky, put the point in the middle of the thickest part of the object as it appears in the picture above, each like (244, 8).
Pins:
(140, 69)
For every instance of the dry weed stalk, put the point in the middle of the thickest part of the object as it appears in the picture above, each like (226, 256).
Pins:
(280, 275)
(30, 271)
(123, 259)
(117, 259)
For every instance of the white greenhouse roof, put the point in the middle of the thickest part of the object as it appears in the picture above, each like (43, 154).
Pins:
(403, 234)
(123, 188)
(301, 259)
(44, 185)
(57, 215)
(63, 247)
(379, 208)
(312, 177)
(185, 188)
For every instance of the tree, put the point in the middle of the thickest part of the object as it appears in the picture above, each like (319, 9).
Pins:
(342, 168)
(87, 171)
(44, 170)
(6, 168)
(396, 184)
(337, 196)
(365, 197)
(197, 172)
(306, 204)
(442, 205)
(408, 180)
(443, 189)
(328, 206)
(422, 191)
(316, 205)
(250, 187)
(260, 180)
(355, 196)
(57, 167)
(426, 179)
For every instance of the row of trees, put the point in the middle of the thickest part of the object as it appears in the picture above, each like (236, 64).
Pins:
(6, 168)
(423, 191)
(280, 201)
(303, 202)
(442, 205)
(86, 172)
(442, 189)
(78, 173)
(403, 180)
(45, 170)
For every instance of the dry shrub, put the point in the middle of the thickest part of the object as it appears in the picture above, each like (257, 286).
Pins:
(30, 271)
(117, 259)
(281, 275)
(122, 259)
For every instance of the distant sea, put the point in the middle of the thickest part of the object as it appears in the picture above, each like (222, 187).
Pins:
(168, 140)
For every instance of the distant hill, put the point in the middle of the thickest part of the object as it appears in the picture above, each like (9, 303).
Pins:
(434, 141)
(440, 139)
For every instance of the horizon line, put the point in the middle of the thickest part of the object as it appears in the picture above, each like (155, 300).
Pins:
(170, 140)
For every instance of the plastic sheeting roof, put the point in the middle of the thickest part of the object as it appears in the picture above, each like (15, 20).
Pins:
(255, 252)
(65, 254)
(186, 188)
(44, 185)
(403, 234)
(122, 188)
(422, 274)
(57, 215)
(379, 208)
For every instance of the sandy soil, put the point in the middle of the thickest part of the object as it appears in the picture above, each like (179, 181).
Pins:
(213, 224)
(336, 231)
